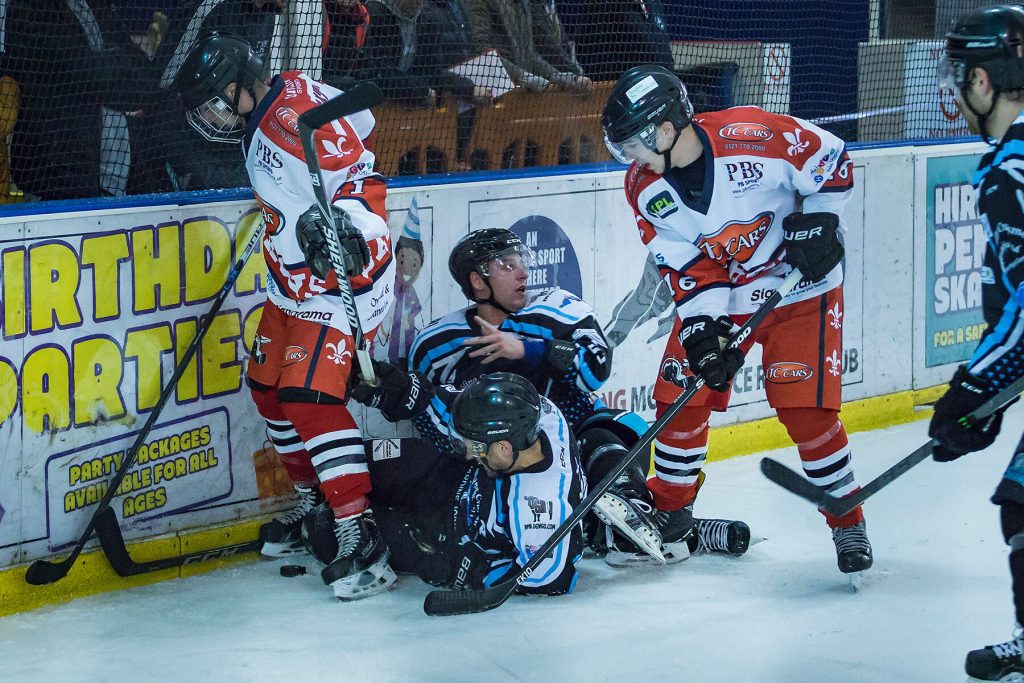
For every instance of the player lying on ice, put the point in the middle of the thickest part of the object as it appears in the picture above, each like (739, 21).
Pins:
(506, 474)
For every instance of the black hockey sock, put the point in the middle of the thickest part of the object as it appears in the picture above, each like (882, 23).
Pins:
(1012, 518)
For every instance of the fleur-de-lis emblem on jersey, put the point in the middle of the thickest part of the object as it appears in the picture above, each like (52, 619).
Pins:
(835, 317)
(338, 353)
(835, 363)
(796, 146)
(336, 148)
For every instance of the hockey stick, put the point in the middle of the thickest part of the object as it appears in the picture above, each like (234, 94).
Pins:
(794, 482)
(42, 572)
(361, 96)
(112, 542)
(449, 602)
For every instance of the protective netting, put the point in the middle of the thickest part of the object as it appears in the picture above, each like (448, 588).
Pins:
(86, 108)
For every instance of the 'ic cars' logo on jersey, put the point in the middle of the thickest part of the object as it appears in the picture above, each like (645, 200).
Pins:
(662, 205)
(294, 354)
(746, 132)
(737, 241)
(787, 372)
(287, 118)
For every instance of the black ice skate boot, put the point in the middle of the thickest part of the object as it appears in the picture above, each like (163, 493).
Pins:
(361, 568)
(853, 550)
(628, 507)
(728, 536)
(282, 536)
(1002, 662)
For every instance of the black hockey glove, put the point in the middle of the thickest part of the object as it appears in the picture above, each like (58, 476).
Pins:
(956, 436)
(812, 243)
(311, 228)
(706, 342)
(400, 394)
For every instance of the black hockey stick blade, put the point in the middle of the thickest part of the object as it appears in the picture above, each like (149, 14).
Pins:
(794, 482)
(448, 603)
(362, 95)
(112, 542)
(42, 572)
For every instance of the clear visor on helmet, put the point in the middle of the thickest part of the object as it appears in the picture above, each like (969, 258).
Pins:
(513, 259)
(216, 121)
(468, 448)
(635, 147)
(951, 73)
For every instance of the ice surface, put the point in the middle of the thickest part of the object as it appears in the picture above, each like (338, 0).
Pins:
(783, 612)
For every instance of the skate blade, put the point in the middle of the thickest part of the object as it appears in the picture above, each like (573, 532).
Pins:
(856, 579)
(613, 513)
(674, 553)
(376, 579)
(275, 550)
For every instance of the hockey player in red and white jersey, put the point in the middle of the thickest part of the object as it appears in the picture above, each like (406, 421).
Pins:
(728, 203)
(302, 354)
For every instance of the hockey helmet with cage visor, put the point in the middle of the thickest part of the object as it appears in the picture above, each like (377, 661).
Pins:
(642, 99)
(216, 61)
(483, 251)
(499, 406)
(991, 39)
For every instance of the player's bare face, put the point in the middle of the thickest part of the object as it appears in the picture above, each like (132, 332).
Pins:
(507, 276)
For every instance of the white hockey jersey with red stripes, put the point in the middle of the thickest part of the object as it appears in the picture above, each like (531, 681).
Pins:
(722, 252)
(280, 179)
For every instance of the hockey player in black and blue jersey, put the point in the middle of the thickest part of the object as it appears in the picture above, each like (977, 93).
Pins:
(984, 65)
(554, 340)
(510, 474)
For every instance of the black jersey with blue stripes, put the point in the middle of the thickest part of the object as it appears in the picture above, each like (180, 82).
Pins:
(439, 351)
(507, 518)
(999, 186)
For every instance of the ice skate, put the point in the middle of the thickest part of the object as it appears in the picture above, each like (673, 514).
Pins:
(853, 551)
(361, 568)
(676, 527)
(728, 536)
(282, 536)
(629, 510)
(1002, 662)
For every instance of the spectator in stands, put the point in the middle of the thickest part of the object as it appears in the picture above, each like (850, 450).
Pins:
(79, 74)
(509, 27)
(155, 33)
(183, 160)
(389, 55)
(347, 23)
(612, 36)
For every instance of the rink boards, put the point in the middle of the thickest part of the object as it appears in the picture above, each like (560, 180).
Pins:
(97, 303)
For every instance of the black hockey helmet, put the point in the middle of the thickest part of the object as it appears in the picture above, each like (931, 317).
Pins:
(213, 63)
(500, 406)
(477, 249)
(991, 38)
(643, 98)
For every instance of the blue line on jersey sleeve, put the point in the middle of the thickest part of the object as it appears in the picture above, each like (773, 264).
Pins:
(527, 328)
(517, 538)
(499, 498)
(999, 335)
(586, 374)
